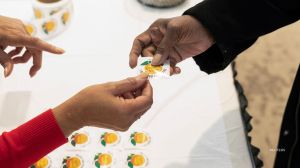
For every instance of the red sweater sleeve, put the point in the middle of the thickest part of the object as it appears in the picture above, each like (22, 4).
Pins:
(31, 141)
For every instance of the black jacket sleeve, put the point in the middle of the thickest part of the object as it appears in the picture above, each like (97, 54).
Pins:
(236, 24)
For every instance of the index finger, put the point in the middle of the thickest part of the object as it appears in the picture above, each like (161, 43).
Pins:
(139, 43)
(36, 43)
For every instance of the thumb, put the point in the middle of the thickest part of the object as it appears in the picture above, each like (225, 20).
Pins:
(129, 84)
(6, 62)
(163, 49)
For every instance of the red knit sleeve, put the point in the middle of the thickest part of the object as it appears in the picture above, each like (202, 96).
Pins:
(31, 141)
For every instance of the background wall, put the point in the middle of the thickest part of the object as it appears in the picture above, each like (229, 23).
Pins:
(266, 71)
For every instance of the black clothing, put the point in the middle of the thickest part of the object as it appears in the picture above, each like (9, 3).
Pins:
(288, 154)
(236, 25)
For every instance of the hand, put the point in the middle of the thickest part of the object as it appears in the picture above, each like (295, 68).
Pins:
(13, 33)
(114, 105)
(175, 38)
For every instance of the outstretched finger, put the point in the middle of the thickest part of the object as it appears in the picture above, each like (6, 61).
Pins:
(34, 42)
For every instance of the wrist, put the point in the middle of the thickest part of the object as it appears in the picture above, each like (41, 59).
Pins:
(67, 118)
(207, 36)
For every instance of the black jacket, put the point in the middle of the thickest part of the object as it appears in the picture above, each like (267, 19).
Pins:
(236, 25)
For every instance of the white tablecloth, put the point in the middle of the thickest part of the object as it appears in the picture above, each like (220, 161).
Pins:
(195, 120)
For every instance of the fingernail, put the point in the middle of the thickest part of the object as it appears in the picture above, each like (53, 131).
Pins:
(131, 63)
(33, 74)
(8, 66)
(5, 72)
(7, 69)
(144, 75)
(177, 70)
(156, 59)
(60, 50)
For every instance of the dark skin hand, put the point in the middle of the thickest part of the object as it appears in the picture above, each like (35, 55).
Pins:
(175, 38)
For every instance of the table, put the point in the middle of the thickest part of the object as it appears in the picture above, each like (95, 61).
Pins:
(195, 119)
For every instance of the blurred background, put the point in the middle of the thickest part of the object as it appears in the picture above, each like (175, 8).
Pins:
(267, 70)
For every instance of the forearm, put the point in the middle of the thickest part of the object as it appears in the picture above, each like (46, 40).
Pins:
(31, 141)
(68, 117)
